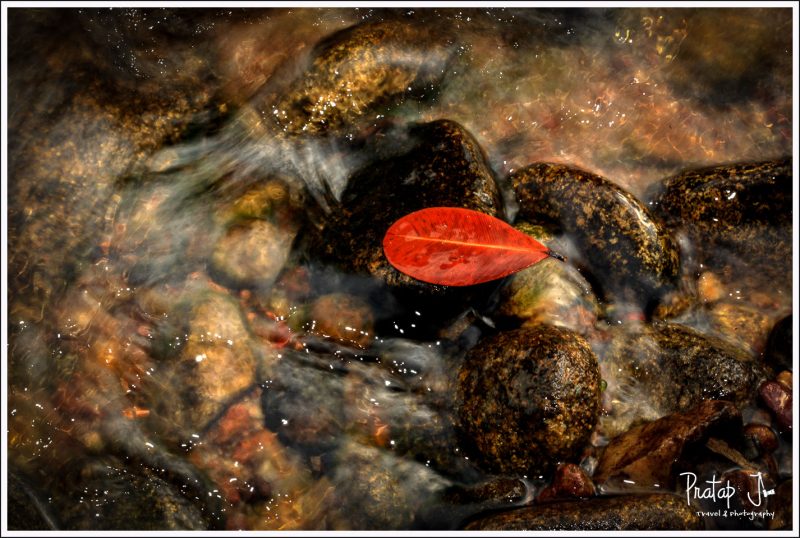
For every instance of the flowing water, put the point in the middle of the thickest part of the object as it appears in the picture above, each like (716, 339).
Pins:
(176, 358)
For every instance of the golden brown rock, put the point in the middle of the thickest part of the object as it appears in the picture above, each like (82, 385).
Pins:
(627, 252)
(527, 398)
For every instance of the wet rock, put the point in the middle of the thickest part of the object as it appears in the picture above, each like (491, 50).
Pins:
(759, 440)
(346, 318)
(743, 326)
(528, 398)
(273, 198)
(709, 287)
(569, 481)
(550, 292)
(778, 399)
(785, 379)
(749, 487)
(389, 412)
(461, 501)
(627, 512)
(647, 456)
(738, 219)
(378, 491)
(251, 254)
(655, 370)
(778, 353)
(444, 167)
(365, 68)
(302, 402)
(628, 254)
(504, 489)
(27, 510)
(111, 496)
(716, 200)
(216, 363)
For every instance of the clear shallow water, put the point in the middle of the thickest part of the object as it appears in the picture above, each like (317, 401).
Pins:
(136, 139)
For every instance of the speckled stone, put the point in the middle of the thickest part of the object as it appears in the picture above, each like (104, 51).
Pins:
(717, 200)
(367, 67)
(110, 495)
(216, 363)
(627, 512)
(632, 259)
(528, 398)
(378, 491)
(655, 370)
(738, 220)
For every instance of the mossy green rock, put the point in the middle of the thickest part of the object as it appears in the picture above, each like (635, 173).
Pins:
(528, 398)
(630, 257)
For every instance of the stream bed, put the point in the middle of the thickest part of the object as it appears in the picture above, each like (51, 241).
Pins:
(204, 332)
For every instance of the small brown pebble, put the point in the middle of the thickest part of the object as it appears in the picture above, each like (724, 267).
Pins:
(785, 379)
(779, 400)
(762, 437)
(709, 288)
(569, 481)
(747, 484)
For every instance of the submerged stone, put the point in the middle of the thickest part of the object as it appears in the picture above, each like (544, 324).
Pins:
(630, 257)
(778, 353)
(528, 398)
(655, 370)
(743, 326)
(251, 254)
(626, 512)
(376, 490)
(738, 221)
(716, 200)
(365, 68)
(303, 403)
(550, 292)
(569, 481)
(111, 495)
(343, 317)
(215, 364)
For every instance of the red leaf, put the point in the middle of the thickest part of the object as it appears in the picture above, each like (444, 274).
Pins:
(453, 246)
